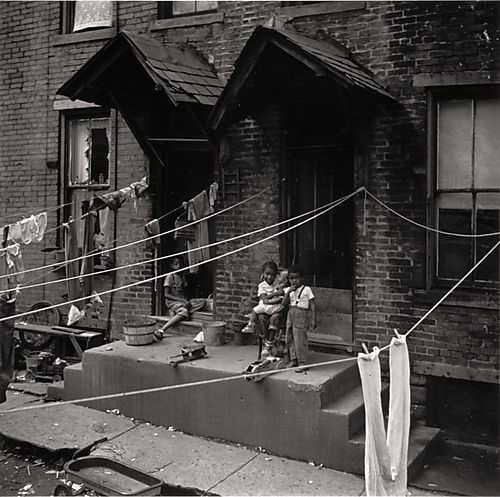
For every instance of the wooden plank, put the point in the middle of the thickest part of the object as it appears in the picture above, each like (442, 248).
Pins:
(40, 328)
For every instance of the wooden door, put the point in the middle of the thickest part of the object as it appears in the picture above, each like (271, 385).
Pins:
(323, 247)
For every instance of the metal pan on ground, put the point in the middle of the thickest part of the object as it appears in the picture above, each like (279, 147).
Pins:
(107, 477)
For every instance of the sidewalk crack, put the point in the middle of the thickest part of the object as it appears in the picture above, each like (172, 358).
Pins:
(230, 474)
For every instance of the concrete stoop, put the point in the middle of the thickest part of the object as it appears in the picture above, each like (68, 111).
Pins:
(318, 416)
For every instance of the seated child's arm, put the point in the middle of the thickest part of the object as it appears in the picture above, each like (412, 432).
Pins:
(170, 296)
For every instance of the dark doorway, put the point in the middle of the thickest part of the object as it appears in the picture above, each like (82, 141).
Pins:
(189, 171)
(323, 247)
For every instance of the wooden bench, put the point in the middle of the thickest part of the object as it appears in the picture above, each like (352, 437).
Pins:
(74, 335)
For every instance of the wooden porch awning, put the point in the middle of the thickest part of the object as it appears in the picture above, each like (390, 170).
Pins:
(176, 70)
(162, 91)
(324, 59)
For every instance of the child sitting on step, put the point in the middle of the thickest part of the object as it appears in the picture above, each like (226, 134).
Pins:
(269, 311)
(175, 293)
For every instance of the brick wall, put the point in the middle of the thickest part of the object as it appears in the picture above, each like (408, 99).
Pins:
(396, 40)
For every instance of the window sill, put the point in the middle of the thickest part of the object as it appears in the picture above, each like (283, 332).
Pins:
(320, 8)
(179, 22)
(89, 187)
(94, 35)
(474, 298)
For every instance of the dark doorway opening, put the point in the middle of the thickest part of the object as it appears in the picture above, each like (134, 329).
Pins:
(319, 170)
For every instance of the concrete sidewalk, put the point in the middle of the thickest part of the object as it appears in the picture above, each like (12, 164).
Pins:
(191, 465)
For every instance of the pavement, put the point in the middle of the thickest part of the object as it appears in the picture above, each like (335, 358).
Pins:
(188, 465)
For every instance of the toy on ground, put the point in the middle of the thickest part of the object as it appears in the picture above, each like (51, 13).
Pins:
(188, 353)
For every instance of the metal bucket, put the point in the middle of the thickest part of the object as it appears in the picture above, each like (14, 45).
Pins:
(138, 333)
(214, 333)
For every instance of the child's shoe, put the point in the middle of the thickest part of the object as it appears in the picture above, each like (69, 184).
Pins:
(158, 335)
(248, 329)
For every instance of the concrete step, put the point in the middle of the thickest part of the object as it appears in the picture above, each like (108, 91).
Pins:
(255, 414)
(422, 442)
(345, 379)
(348, 411)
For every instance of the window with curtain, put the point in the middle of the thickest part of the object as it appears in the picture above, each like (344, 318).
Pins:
(183, 8)
(87, 161)
(82, 15)
(467, 185)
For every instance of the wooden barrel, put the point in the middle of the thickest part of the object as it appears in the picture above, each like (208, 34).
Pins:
(138, 333)
(214, 333)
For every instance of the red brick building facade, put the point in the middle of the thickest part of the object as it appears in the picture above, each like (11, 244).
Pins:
(440, 63)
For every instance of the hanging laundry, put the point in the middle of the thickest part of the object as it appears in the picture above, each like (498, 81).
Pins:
(71, 252)
(6, 346)
(41, 226)
(74, 315)
(153, 228)
(212, 195)
(95, 299)
(31, 229)
(386, 457)
(7, 294)
(114, 200)
(87, 265)
(14, 259)
(198, 207)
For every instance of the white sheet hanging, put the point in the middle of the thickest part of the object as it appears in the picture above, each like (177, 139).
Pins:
(386, 458)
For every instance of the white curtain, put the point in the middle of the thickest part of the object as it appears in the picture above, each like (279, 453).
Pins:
(92, 14)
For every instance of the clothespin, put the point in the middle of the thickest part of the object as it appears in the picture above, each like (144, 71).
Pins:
(365, 348)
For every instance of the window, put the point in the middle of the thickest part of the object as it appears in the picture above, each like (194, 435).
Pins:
(87, 149)
(82, 15)
(184, 8)
(467, 184)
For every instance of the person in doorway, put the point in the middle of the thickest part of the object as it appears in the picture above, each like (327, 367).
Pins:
(175, 294)
(269, 311)
(301, 318)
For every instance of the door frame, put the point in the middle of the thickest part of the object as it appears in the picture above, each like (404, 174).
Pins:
(287, 192)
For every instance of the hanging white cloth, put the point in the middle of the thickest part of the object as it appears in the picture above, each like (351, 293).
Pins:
(92, 14)
(386, 458)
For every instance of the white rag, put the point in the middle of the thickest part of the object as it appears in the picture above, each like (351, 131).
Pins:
(386, 458)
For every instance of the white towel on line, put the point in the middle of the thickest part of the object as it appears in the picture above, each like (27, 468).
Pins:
(386, 458)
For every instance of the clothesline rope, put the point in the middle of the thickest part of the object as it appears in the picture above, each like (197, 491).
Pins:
(95, 251)
(184, 252)
(23, 215)
(135, 242)
(153, 278)
(430, 228)
(243, 376)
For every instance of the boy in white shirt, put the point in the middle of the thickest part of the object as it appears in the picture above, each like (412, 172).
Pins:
(301, 318)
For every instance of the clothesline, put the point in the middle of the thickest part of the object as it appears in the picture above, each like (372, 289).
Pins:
(153, 278)
(246, 375)
(29, 213)
(367, 192)
(184, 252)
(135, 242)
(430, 228)
(93, 252)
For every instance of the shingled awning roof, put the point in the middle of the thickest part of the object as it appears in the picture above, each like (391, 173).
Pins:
(182, 75)
(329, 59)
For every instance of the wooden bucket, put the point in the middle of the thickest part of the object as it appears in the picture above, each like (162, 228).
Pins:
(214, 333)
(138, 333)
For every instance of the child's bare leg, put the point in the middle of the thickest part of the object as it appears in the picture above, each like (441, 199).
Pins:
(274, 325)
(172, 321)
(250, 327)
